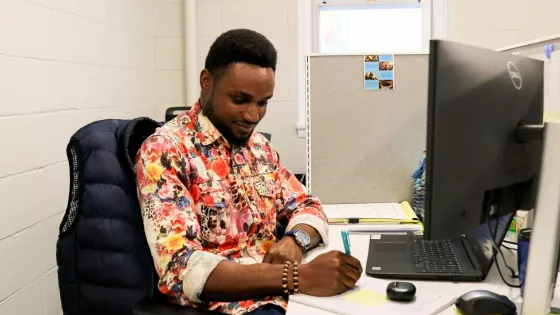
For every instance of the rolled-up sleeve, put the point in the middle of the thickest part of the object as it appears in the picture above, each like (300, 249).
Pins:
(299, 206)
(170, 222)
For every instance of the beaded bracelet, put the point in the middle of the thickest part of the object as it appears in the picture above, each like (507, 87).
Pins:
(285, 277)
(296, 279)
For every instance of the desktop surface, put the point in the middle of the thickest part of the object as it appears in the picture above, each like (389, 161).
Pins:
(360, 244)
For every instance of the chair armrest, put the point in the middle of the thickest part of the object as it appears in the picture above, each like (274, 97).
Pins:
(158, 308)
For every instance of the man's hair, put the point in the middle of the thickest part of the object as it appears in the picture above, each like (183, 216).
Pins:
(240, 45)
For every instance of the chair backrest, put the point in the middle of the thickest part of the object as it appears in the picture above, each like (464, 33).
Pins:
(172, 112)
(105, 266)
(268, 136)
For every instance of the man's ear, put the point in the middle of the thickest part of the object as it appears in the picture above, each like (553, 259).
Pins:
(206, 81)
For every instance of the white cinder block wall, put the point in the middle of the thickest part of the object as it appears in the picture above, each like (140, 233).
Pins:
(277, 20)
(499, 23)
(169, 56)
(63, 63)
(213, 18)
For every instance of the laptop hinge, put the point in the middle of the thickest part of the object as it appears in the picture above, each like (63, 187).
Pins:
(470, 253)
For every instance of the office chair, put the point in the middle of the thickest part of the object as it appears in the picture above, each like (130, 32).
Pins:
(104, 263)
(268, 136)
(119, 140)
(172, 112)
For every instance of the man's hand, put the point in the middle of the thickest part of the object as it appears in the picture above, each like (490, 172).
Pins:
(329, 274)
(285, 250)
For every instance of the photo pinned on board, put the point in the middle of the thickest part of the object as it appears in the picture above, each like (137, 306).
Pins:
(371, 58)
(371, 76)
(378, 72)
(386, 84)
(385, 66)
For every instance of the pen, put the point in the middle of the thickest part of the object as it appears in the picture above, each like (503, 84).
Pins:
(345, 241)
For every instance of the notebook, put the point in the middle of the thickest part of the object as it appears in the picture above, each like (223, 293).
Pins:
(368, 297)
(371, 213)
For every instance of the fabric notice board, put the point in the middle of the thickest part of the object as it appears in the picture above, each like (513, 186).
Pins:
(363, 145)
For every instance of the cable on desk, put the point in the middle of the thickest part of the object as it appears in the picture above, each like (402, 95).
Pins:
(496, 246)
(498, 249)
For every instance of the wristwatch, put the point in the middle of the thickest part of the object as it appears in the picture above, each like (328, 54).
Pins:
(300, 237)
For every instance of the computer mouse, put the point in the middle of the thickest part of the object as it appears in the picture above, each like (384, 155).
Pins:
(401, 291)
(482, 302)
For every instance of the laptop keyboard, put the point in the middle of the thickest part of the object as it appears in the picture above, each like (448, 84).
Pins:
(435, 256)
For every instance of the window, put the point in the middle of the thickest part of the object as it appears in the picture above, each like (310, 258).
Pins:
(380, 27)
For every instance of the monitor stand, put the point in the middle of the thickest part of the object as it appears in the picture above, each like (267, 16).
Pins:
(545, 235)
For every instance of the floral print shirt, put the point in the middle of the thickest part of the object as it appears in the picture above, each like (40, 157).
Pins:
(204, 201)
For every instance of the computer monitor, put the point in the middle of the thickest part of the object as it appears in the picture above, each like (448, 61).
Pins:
(477, 166)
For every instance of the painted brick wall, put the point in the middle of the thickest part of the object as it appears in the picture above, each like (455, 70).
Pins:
(63, 64)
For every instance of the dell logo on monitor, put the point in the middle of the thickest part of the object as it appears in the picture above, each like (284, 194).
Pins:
(515, 75)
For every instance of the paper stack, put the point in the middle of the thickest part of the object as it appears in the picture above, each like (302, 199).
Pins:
(374, 217)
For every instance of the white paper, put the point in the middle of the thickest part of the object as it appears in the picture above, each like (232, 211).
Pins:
(373, 301)
(383, 228)
(365, 211)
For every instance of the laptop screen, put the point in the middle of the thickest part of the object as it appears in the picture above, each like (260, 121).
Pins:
(481, 241)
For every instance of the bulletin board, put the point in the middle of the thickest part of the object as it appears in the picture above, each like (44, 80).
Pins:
(363, 145)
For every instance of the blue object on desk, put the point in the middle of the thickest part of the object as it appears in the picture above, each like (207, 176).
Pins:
(418, 191)
(418, 172)
(548, 49)
(523, 255)
(345, 241)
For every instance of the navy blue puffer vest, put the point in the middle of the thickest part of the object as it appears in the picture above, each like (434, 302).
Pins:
(104, 263)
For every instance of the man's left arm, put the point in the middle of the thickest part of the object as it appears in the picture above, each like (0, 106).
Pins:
(300, 211)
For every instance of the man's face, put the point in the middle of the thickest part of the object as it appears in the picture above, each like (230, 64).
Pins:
(236, 101)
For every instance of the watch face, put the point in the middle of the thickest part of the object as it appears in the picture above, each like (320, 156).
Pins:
(303, 238)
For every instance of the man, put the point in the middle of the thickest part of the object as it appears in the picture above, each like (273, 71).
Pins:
(212, 189)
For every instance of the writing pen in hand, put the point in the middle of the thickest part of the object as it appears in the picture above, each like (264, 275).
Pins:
(345, 241)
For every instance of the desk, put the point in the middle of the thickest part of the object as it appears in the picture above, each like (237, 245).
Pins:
(360, 245)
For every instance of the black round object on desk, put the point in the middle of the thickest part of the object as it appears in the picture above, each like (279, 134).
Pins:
(483, 302)
(401, 291)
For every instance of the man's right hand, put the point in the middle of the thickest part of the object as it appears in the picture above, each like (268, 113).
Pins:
(329, 274)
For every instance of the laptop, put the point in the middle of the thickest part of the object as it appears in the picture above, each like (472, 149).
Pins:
(408, 256)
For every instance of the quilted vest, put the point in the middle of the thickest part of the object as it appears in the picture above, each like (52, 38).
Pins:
(104, 263)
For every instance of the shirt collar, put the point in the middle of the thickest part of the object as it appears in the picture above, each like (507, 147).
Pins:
(208, 132)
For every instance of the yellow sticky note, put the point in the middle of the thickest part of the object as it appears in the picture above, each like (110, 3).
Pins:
(365, 297)
(551, 116)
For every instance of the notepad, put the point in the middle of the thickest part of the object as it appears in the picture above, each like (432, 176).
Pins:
(371, 213)
(369, 297)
